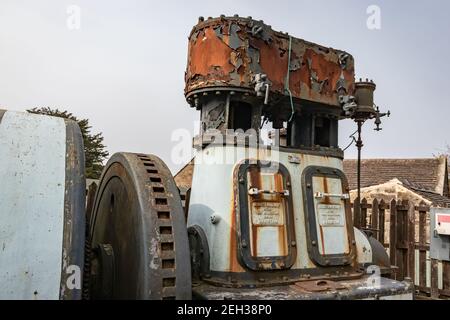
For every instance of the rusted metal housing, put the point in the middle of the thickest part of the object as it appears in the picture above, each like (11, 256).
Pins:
(228, 53)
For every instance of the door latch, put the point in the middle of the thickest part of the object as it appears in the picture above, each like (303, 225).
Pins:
(256, 192)
(320, 195)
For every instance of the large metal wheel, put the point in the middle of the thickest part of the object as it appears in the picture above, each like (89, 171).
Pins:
(138, 233)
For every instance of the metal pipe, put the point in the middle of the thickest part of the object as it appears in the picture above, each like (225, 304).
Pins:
(359, 145)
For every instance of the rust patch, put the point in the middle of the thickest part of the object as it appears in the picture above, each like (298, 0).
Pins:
(225, 53)
(234, 265)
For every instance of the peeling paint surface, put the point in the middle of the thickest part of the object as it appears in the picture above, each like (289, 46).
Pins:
(228, 52)
(32, 175)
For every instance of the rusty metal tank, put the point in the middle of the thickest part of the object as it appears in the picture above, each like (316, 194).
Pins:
(227, 53)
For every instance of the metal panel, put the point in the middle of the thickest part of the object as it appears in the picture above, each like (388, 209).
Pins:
(32, 175)
(266, 230)
(363, 248)
(440, 244)
(212, 196)
(330, 217)
(327, 209)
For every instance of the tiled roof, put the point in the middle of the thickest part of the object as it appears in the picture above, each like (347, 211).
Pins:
(435, 198)
(183, 178)
(423, 172)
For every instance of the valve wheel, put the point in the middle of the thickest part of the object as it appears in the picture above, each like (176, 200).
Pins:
(139, 234)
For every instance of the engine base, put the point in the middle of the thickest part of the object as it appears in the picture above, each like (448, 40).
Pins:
(359, 289)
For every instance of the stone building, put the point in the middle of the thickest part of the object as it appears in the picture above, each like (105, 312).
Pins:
(416, 180)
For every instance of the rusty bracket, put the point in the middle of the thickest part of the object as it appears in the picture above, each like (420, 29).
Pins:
(319, 286)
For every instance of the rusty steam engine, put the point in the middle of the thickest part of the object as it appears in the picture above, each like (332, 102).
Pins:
(260, 220)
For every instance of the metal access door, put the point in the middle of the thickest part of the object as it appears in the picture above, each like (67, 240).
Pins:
(328, 216)
(266, 233)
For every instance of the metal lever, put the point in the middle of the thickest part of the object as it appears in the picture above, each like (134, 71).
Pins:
(256, 191)
(323, 195)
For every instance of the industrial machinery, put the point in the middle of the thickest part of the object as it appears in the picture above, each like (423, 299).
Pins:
(263, 222)
(259, 221)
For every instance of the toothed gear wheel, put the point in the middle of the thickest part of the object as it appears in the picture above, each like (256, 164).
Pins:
(138, 233)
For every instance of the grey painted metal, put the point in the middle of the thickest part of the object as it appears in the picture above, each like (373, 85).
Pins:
(42, 196)
(74, 213)
(440, 244)
(363, 248)
(212, 194)
(32, 193)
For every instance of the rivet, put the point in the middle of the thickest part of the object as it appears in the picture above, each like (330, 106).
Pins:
(262, 280)
(217, 92)
(244, 244)
(353, 242)
(314, 243)
(293, 243)
(308, 185)
(207, 276)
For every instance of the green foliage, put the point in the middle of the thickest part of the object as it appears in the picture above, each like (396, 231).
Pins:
(94, 149)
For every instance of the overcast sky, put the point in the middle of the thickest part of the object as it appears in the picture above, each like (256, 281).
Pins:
(124, 68)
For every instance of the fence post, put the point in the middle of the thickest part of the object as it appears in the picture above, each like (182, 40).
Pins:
(381, 221)
(364, 213)
(357, 213)
(434, 279)
(393, 232)
(446, 277)
(411, 241)
(422, 245)
(374, 219)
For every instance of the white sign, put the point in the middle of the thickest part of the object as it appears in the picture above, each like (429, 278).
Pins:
(443, 224)
(331, 215)
(267, 214)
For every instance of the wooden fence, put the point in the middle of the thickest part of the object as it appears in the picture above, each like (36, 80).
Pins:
(404, 229)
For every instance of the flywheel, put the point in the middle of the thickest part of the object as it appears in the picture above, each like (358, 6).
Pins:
(138, 234)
